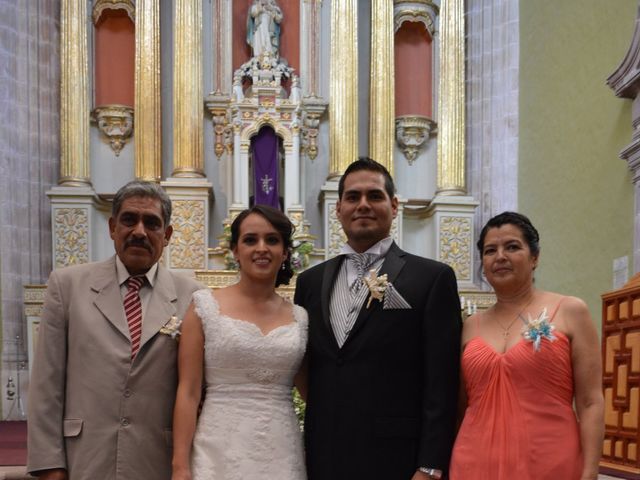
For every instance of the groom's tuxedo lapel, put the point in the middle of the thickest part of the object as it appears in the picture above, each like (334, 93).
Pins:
(328, 279)
(393, 264)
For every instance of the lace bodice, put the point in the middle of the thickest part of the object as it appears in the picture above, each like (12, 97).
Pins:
(247, 428)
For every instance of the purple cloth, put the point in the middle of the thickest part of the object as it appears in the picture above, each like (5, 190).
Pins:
(265, 167)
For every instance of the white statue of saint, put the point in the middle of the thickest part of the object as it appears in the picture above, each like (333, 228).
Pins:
(263, 27)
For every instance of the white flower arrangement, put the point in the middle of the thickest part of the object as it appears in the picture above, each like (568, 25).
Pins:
(172, 327)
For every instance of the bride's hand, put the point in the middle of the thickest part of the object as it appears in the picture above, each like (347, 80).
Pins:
(181, 474)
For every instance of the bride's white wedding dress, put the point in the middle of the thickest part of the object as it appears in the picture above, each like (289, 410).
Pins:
(247, 428)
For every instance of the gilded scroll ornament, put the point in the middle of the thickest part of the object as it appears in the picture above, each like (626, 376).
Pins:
(116, 123)
(71, 228)
(455, 245)
(222, 131)
(187, 245)
(412, 134)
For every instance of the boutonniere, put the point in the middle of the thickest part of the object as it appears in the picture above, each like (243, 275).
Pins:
(172, 327)
(536, 329)
(381, 289)
(377, 286)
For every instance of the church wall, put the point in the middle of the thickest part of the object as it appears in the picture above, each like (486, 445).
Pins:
(29, 159)
(571, 182)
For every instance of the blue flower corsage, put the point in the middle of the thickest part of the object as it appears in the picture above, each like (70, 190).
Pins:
(536, 329)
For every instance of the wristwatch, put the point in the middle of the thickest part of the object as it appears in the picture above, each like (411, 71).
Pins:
(431, 472)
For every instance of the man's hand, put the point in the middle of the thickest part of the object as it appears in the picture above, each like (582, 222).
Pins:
(420, 476)
(53, 474)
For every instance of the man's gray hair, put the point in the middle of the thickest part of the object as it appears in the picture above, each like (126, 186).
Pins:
(139, 188)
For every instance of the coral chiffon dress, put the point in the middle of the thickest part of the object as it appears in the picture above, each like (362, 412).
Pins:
(519, 423)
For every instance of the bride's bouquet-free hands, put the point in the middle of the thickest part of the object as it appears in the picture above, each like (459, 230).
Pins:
(181, 473)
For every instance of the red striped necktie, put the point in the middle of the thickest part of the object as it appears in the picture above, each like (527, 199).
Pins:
(133, 311)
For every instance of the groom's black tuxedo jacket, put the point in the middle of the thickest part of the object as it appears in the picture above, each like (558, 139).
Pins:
(385, 403)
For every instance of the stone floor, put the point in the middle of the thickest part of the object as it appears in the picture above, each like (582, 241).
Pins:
(17, 473)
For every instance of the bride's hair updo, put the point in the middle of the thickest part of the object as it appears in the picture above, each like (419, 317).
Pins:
(283, 226)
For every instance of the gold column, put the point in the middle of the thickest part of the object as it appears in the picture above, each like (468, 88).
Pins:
(74, 94)
(382, 94)
(147, 133)
(343, 86)
(187, 90)
(451, 122)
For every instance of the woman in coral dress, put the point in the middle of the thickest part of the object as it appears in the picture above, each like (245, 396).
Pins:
(525, 361)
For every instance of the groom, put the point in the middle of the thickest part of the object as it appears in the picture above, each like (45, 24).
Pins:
(383, 376)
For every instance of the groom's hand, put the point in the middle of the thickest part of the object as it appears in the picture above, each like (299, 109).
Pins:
(420, 476)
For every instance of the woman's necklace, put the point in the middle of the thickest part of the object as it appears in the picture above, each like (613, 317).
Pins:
(506, 330)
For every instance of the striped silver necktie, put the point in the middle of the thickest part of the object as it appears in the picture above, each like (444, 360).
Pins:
(362, 262)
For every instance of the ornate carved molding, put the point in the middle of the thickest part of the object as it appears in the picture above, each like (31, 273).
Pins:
(455, 245)
(337, 237)
(218, 105)
(100, 6)
(424, 11)
(412, 133)
(116, 123)
(625, 81)
(188, 241)
(71, 236)
(33, 299)
(313, 107)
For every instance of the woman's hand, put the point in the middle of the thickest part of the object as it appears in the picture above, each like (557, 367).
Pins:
(181, 473)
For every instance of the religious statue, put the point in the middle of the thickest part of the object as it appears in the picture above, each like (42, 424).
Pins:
(263, 27)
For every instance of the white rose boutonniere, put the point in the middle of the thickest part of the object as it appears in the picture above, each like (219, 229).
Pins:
(381, 289)
(172, 327)
(377, 286)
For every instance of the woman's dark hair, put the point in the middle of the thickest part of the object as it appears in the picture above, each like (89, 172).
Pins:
(282, 225)
(529, 232)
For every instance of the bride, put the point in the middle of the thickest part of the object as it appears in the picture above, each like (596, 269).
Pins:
(246, 344)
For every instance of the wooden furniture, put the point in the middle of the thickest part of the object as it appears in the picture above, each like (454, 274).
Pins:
(621, 380)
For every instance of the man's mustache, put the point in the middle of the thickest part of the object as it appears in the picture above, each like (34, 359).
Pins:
(143, 243)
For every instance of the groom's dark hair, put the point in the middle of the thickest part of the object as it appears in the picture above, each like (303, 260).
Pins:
(366, 163)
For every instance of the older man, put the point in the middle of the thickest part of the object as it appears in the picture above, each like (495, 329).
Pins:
(104, 379)
(384, 354)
